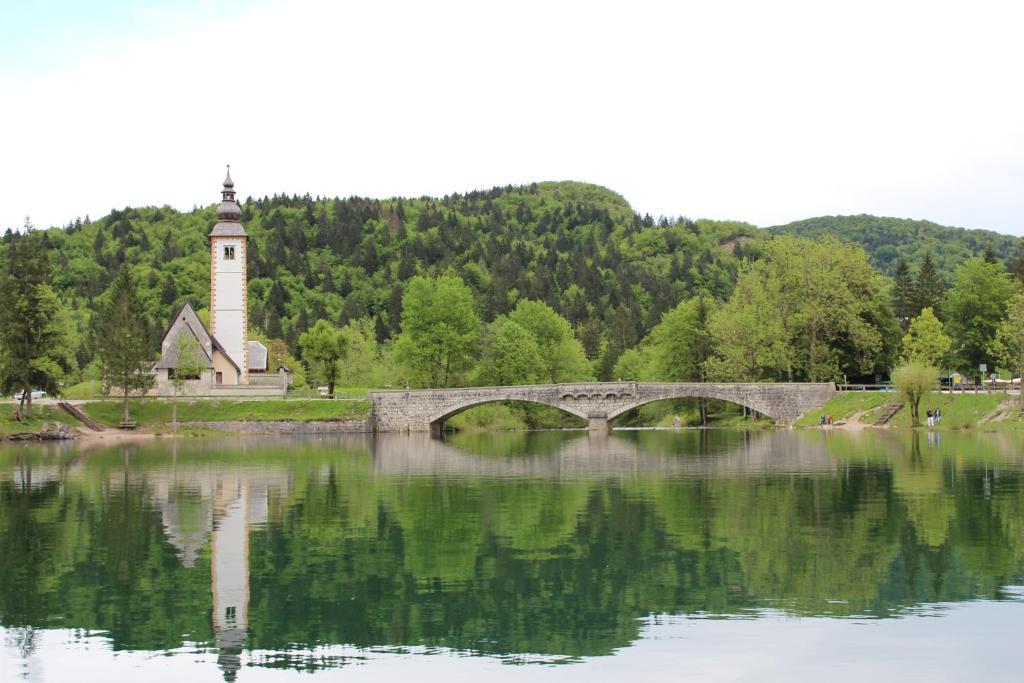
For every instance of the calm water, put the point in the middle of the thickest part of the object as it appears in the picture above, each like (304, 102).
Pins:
(706, 554)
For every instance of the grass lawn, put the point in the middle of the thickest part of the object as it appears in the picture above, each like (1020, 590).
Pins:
(959, 411)
(89, 389)
(153, 412)
(40, 416)
(847, 404)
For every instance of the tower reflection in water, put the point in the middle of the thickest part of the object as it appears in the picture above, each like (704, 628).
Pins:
(230, 502)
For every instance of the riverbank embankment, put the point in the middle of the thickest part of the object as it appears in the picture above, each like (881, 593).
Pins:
(159, 417)
(990, 412)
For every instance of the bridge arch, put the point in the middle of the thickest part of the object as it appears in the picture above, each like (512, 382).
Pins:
(756, 406)
(438, 419)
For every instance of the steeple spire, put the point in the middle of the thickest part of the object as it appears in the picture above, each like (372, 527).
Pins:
(228, 209)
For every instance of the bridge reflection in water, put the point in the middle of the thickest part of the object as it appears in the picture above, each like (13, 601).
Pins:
(405, 540)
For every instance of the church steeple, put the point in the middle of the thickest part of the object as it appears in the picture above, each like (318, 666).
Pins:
(229, 297)
(228, 209)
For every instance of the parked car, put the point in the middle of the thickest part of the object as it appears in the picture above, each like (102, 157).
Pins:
(35, 395)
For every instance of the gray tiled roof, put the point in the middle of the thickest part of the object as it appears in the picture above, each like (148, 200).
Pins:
(169, 358)
(228, 229)
(257, 356)
(186, 319)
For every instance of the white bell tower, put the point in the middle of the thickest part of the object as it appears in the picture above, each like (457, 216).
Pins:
(229, 318)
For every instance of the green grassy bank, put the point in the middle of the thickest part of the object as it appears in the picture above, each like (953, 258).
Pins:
(154, 414)
(982, 412)
(42, 416)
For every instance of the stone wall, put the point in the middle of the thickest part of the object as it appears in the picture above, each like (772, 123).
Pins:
(596, 402)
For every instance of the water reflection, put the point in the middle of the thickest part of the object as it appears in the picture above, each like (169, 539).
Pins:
(552, 544)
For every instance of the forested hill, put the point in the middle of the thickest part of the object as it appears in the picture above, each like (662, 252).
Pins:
(578, 247)
(887, 239)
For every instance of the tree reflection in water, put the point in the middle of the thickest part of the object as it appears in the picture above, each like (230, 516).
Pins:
(509, 544)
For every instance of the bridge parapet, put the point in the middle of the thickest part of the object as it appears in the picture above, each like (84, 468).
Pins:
(596, 402)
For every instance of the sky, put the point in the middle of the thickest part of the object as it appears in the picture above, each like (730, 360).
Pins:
(752, 111)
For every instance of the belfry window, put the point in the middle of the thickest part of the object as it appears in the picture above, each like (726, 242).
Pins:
(229, 253)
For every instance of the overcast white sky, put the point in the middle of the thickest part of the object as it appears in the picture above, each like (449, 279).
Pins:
(759, 111)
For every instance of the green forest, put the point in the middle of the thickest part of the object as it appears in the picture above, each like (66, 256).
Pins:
(545, 282)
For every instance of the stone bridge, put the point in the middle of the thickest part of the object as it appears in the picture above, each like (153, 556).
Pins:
(596, 402)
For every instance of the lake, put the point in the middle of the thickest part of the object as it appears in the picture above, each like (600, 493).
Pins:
(702, 554)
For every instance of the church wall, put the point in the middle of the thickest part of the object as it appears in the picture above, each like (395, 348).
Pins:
(196, 387)
(229, 375)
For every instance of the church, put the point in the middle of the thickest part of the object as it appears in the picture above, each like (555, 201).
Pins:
(233, 365)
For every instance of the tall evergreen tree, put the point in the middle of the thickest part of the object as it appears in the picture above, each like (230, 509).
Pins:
(1017, 264)
(124, 344)
(36, 348)
(903, 294)
(928, 288)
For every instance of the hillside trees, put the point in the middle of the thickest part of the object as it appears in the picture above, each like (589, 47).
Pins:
(806, 311)
(832, 305)
(750, 341)
(578, 249)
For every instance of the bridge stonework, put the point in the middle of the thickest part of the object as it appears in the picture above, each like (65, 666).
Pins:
(596, 402)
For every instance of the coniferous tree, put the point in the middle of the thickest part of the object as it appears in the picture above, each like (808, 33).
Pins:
(36, 348)
(124, 344)
(928, 288)
(903, 294)
(1017, 264)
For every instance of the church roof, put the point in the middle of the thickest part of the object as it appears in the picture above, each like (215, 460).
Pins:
(186, 321)
(228, 229)
(257, 356)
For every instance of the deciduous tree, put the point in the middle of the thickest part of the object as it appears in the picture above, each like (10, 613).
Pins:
(1008, 345)
(974, 307)
(913, 380)
(440, 331)
(323, 347)
(191, 362)
(562, 355)
(511, 355)
(925, 342)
